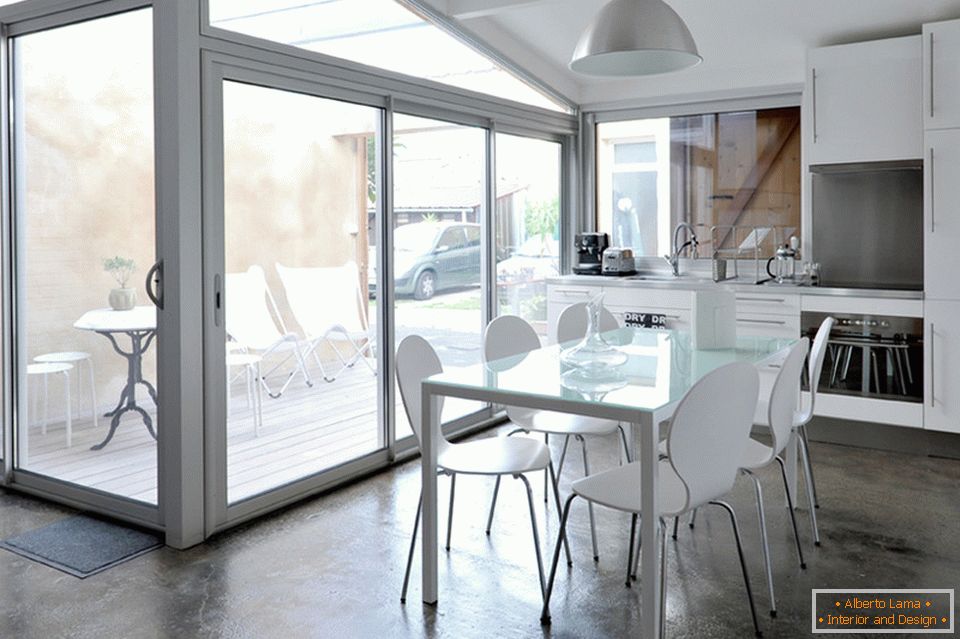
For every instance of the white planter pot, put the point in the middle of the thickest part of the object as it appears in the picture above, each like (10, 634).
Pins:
(123, 299)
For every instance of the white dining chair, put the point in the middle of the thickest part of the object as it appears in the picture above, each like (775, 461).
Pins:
(495, 456)
(572, 323)
(781, 410)
(803, 417)
(509, 335)
(708, 436)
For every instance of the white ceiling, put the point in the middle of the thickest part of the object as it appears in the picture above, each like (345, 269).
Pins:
(745, 44)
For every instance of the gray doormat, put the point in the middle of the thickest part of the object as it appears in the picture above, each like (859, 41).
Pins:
(82, 546)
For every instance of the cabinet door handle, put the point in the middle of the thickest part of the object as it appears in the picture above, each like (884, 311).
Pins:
(770, 300)
(814, 101)
(759, 321)
(568, 291)
(933, 196)
(931, 74)
(933, 368)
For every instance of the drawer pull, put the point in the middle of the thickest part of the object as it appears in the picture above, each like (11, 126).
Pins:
(570, 291)
(759, 321)
(770, 300)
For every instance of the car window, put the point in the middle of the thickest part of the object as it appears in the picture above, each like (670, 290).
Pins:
(473, 236)
(452, 238)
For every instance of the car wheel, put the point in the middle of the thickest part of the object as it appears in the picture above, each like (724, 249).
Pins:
(426, 286)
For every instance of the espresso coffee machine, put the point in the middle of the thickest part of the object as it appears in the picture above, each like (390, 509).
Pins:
(590, 248)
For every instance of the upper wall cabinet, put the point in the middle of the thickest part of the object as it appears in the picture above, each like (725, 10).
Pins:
(863, 102)
(941, 75)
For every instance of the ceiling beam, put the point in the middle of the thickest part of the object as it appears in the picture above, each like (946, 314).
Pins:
(467, 9)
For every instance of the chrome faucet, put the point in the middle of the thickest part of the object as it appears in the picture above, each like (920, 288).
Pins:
(674, 259)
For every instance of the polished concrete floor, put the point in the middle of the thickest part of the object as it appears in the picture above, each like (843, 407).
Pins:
(333, 566)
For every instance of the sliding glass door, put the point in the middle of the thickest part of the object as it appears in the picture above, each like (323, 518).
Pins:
(84, 236)
(438, 216)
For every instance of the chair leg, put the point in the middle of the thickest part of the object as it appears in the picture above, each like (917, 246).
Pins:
(813, 479)
(69, 422)
(496, 488)
(633, 534)
(743, 562)
(636, 557)
(805, 454)
(586, 473)
(663, 577)
(453, 489)
(793, 515)
(46, 404)
(546, 472)
(536, 535)
(545, 613)
(413, 545)
(676, 524)
(626, 446)
(556, 497)
(764, 541)
(563, 456)
(693, 518)
(493, 505)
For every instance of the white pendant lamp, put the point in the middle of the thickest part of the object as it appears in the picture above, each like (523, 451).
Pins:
(633, 38)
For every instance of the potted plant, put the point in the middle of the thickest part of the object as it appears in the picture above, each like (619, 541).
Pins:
(122, 298)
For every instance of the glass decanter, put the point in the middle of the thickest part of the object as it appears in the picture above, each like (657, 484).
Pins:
(593, 355)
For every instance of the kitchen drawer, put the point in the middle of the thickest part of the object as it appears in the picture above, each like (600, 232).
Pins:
(636, 298)
(768, 304)
(768, 325)
(571, 294)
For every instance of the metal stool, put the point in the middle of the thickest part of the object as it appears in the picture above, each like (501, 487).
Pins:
(251, 367)
(47, 369)
(75, 357)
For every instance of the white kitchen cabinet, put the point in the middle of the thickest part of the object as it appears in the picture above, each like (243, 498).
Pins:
(941, 255)
(864, 102)
(941, 354)
(780, 326)
(941, 75)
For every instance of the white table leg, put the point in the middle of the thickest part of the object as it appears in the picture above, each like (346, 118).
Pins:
(650, 550)
(429, 439)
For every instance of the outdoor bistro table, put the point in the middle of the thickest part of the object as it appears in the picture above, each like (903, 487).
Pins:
(661, 368)
(140, 325)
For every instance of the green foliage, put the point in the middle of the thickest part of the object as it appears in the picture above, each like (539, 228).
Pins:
(121, 268)
(431, 217)
(541, 218)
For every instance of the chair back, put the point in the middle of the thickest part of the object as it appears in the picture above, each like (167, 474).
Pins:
(572, 323)
(785, 394)
(818, 352)
(251, 312)
(322, 298)
(709, 431)
(416, 360)
(508, 335)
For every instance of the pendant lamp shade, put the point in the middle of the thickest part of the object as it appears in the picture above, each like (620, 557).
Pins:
(634, 38)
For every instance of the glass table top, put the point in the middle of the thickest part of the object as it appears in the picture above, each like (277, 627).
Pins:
(661, 367)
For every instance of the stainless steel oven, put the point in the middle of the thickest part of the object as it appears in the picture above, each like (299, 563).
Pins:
(871, 356)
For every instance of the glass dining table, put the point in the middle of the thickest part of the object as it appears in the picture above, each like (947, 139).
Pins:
(661, 367)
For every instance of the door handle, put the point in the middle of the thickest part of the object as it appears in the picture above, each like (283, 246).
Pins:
(933, 195)
(217, 300)
(813, 99)
(154, 284)
(933, 368)
(931, 75)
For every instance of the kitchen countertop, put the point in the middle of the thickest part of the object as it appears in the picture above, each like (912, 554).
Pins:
(693, 282)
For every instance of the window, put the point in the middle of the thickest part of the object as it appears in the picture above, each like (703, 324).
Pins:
(735, 176)
(378, 33)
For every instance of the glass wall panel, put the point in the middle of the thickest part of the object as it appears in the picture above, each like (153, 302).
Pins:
(299, 207)
(438, 199)
(85, 225)
(527, 223)
(720, 169)
(379, 33)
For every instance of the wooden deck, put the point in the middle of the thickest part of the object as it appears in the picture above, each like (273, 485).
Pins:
(305, 431)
